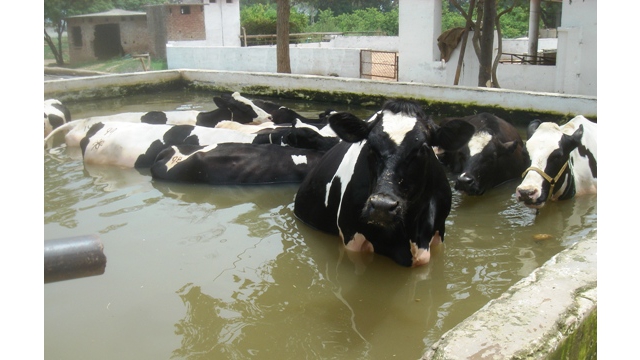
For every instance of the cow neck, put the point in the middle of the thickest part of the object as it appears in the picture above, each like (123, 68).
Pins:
(553, 181)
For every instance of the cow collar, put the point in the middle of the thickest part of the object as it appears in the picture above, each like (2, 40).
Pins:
(552, 181)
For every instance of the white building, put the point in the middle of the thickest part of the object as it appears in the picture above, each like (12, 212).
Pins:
(416, 46)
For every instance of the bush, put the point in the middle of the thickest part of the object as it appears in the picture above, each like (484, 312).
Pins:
(261, 19)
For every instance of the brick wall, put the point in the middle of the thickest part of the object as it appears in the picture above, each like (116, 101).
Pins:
(185, 22)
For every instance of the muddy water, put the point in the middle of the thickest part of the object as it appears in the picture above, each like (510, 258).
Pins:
(195, 271)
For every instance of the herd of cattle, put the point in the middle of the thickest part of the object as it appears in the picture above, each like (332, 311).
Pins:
(380, 183)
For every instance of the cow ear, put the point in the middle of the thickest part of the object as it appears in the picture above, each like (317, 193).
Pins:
(508, 147)
(221, 104)
(453, 134)
(575, 139)
(349, 127)
(533, 126)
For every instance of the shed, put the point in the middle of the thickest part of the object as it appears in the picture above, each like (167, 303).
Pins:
(107, 34)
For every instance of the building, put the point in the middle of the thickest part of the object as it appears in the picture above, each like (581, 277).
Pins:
(106, 35)
(117, 32)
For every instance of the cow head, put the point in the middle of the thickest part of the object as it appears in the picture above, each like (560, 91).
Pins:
(486, 160)
(549, 148)
(408, 197)
(233, 107)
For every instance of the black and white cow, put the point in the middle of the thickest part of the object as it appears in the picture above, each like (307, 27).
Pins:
(382, 189)
(564, 162)
(284, 115)
(302, 135)
(55, 115)
(136, 145)
(233, 107)
(495, 154)
(234, 164)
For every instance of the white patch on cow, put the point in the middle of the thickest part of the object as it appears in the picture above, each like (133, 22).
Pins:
(263, 116)
(179, 157)
(359, 243)
(397, 125)
(344, 173)
(299, 159)
(478, 142)
(246, 128)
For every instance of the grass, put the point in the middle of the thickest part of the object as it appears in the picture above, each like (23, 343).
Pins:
(123, 64)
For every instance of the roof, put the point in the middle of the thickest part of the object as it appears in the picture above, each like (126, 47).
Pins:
(114, 12)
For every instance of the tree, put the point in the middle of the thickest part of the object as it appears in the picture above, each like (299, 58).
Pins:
(486, 20)
(282, 42)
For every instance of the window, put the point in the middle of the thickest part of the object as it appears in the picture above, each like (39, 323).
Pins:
(76, 35)
(185, 10)
(212, 1)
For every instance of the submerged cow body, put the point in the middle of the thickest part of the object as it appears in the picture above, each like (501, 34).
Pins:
(234, 164)
(284, 115)
(136, 145)
(495, 154)
(382, 189)
(55, 115)
(564, 162)
(229, 107)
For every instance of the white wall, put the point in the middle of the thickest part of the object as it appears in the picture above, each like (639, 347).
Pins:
(577, 48)
(304, 60)
(222, 23)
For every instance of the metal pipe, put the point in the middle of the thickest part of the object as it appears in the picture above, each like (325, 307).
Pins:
(74, 257)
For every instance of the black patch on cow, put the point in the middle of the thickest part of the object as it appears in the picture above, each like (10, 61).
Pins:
(154, 117)
(92, 131)
(147, 159)
(55, 121)
(593, 164)
(65, 111)
(179, 134)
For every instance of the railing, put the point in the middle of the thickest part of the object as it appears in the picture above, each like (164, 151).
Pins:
(545, 59)
(301, 38)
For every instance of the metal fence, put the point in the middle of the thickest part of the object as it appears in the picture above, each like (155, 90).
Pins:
(379, 65)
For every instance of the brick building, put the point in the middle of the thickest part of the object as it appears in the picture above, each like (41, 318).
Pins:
(106, 35)
(118, 32)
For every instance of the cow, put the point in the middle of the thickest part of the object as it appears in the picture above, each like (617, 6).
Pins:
(284, 115)
(495, 154)
(234, 164)
(382, 189)
(55, 115)
(564, 162)
(233, 107)
(136, 145)
(229, 107)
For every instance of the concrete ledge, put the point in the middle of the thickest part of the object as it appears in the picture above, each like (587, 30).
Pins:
(548, 314)
(513, 104)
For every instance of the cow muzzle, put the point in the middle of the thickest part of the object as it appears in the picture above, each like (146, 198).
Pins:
(468, 185)
(382, 210)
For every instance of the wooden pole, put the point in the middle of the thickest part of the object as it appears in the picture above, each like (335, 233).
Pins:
(72, 258)
(463, 45)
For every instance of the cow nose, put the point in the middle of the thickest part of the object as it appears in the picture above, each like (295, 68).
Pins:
(383, 203)
(526, 194)
(464, 180)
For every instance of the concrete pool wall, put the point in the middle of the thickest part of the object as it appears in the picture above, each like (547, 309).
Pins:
(550, 314)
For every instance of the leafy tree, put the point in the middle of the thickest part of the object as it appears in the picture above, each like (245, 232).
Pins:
(363, 20)
(259, 19)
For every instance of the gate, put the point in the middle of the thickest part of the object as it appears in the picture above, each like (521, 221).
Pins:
(378, 65)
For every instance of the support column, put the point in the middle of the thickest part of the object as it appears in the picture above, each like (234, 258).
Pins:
(419, 27)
